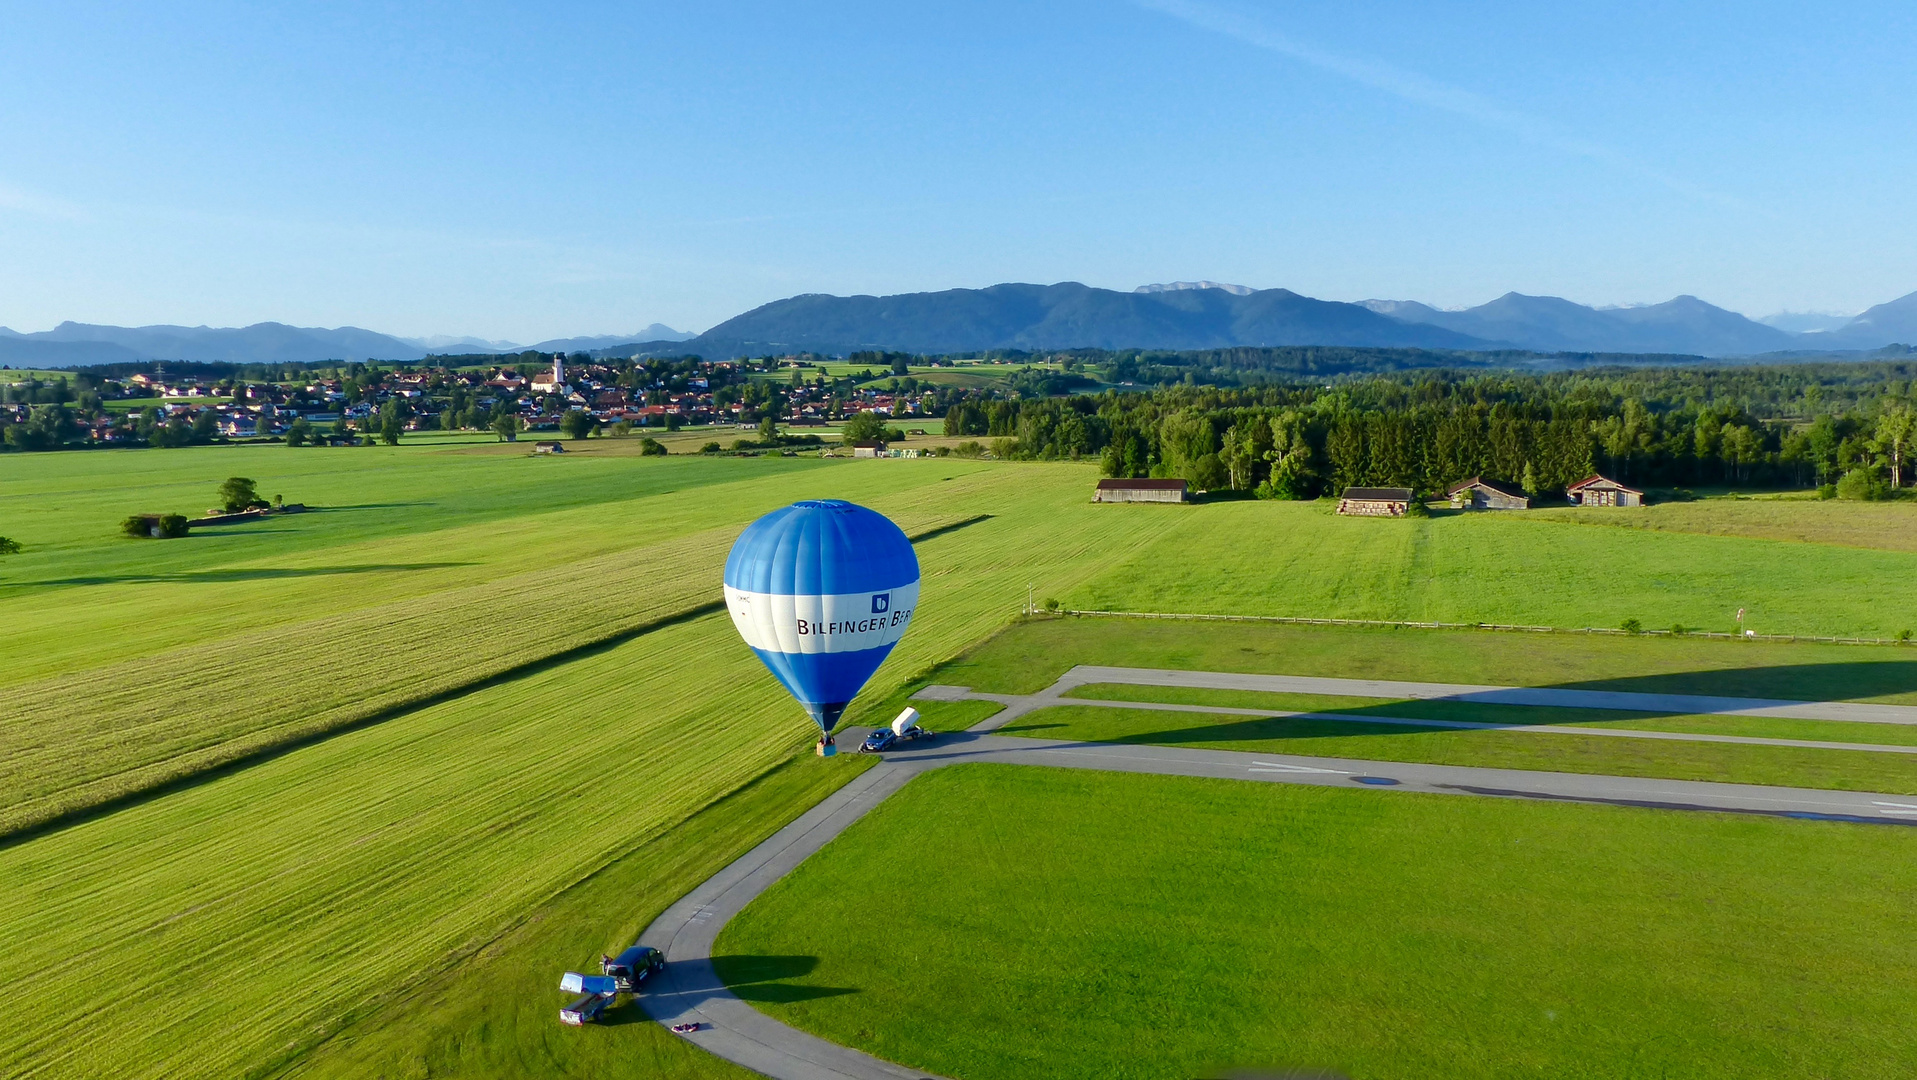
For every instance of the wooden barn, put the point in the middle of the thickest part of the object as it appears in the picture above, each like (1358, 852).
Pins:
(1123, 490)
(1478, 493)
(1600, 491)
(1374, 502)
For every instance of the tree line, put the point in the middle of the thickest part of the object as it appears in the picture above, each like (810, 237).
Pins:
(1828, 425)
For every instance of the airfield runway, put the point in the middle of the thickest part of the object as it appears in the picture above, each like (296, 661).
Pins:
(690, 991)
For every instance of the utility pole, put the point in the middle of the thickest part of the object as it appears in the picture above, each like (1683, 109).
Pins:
(1028, 598)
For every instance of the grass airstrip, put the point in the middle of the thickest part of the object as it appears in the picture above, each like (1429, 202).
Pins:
(1017, 922)
(339, 793)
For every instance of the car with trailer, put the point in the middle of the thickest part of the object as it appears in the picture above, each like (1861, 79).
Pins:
(630, 969)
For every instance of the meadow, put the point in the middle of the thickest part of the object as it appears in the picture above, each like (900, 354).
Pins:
(383, 765)
(1730, 763)
(1008, 921)
(1032, 656)
(344, 872)
(1547, 569)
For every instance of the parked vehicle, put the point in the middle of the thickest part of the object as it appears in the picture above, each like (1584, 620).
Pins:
(585, 1010)
(906, 726)
(634, 966)
(880, 739)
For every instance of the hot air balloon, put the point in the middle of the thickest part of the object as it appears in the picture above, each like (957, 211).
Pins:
(822, 590)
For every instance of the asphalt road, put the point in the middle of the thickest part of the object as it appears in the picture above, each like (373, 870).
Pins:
(690, 991)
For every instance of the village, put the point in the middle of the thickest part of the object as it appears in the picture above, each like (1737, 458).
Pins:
(357, 399)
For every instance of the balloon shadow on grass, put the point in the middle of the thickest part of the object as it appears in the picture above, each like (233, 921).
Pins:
(1491, 710)
(762, 978)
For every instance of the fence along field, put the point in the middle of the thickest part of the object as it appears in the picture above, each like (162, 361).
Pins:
(248, 917)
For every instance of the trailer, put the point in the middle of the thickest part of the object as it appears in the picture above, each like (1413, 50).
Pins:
(586, 1009)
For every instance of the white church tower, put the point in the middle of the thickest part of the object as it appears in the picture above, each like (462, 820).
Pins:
(556, 382)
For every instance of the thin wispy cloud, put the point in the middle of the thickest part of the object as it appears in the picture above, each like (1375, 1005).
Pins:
(22, 201)
(1420, 90)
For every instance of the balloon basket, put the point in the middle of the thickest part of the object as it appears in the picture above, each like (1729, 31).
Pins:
(827, 748)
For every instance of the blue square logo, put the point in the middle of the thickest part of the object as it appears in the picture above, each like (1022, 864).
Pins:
(881, 603)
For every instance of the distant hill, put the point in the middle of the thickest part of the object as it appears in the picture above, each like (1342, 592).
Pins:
(1179, 286)
(1063, 316)
(1551, 324)
(1179, 315)
(261, 343)
(77, 344)
(1805, 322)
(1895, 322)
(655, 333)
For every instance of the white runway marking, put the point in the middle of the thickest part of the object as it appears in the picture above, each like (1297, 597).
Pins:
(1274, 766)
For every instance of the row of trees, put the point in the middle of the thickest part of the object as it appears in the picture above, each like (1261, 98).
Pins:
(1428, 430)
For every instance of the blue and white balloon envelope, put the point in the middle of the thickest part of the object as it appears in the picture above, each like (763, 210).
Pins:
(822, 590)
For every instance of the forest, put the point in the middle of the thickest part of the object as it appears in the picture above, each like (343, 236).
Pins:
(1845, 428)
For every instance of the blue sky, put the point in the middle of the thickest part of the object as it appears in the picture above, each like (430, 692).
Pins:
(535, 170)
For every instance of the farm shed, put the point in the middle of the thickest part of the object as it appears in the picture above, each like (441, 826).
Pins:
(1600, 491)
(1374, 502)
(548, 448)
(868, 449)
(1164, 491)
(1478, 493)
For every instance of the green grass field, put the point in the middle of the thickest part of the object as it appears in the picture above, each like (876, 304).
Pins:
(1548, 569)
(1519, 716)
(363, 763)
(1731, 763)
(355, 869)
(1018, 922)
(1032, 656)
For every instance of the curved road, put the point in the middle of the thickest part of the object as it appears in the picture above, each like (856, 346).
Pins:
(689, 990)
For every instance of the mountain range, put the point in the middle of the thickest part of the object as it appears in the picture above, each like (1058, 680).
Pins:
(1177, 315)
(1210, 315)
(71, 344)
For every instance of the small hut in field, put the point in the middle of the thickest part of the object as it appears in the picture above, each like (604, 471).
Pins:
(1601, 491)
(1374, 502)
(1478, 493)
(1127, 490)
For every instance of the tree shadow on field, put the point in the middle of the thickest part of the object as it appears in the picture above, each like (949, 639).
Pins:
(191, 577)
(761, 978)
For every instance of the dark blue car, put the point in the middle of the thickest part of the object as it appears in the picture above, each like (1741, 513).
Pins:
(880, 739)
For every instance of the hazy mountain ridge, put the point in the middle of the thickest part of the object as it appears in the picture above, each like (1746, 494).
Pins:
(1684, 324)
(73, 343)
(1063, 316)
(1205, 315)
(1171, 316)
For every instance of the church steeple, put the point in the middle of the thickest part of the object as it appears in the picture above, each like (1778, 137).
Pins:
(559, 369)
